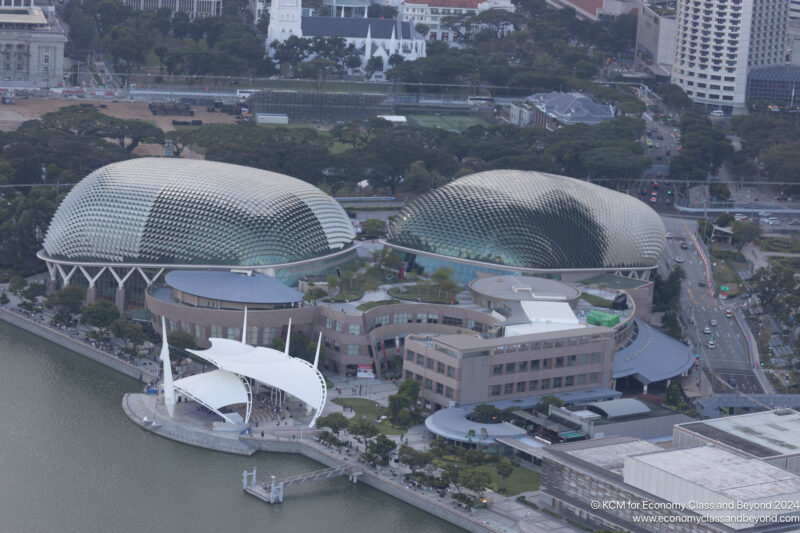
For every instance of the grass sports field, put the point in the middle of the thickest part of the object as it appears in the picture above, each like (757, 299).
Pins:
(454, 123)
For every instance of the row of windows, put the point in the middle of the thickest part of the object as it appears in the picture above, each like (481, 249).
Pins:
(255, 336)
(431, 385)
(546, 345)
(430, 363)
(352, 349)
(352, 329)
(545, 364)
(423, 318)
(544, 384)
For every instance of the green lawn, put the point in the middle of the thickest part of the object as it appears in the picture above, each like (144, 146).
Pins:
(369, 280)
(775, 244)
(520, 480)
(371, 410)
(453, 123)
(425, 292)
(596, 301)
(372, 305)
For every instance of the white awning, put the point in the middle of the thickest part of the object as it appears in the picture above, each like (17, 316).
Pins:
(215, 389)
(270, 367)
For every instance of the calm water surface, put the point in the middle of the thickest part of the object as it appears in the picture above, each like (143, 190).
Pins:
(71, 461)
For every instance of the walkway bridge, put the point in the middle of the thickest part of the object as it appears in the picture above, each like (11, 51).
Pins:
(272, 492)
(710, 406)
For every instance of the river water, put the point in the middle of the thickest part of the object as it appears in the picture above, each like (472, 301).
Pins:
(71, 461)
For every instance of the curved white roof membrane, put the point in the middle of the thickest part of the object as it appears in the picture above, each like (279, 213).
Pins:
(214, 389)
(271, 367)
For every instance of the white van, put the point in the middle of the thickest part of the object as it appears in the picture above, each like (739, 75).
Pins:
(717, 113)
(773, 221)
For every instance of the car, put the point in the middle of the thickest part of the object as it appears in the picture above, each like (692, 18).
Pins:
(707, 330)
(728, 313)
(732, 382)
(795, 222)
(679, 259)
(711, 343)
(764, 213)
(669, 235)
(684, 246)
(701, 284)
(713, 323)
(653, 199)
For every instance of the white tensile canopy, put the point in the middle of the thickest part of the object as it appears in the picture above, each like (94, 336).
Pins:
(214, 390)
(292, 375)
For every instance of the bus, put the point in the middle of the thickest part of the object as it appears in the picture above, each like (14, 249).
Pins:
(649, 143)
(480, 100)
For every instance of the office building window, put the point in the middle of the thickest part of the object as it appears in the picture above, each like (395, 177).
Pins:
(352, 349)
(440, 367)
(420, 359)
(451, 372)
(545, 384)
(448, 392)
(494, 390)
(535, 365)
(497, 370)
(533, 384)
(508, 388)
(510, 368)
(430, 363)
(521, 386)
(523, 366)
(410, 356)
(439, 388)
(354, 329)
(428, 384)
(556, 383)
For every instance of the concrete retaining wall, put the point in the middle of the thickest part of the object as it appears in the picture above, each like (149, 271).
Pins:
(397, 490)
(76, 346)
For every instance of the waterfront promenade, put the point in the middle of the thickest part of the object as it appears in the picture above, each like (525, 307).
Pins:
(42, 328)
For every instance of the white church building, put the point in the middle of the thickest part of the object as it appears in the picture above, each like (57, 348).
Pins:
(371, 37)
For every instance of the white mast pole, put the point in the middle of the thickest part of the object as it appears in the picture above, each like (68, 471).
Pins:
(169, 388)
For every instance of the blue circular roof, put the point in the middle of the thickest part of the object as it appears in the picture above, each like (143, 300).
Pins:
(232, 287)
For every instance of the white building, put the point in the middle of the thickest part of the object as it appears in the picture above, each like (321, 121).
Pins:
(31, 46)
(431, 13)
(655, 36)
(597, 9)
(195, 8)
(719, 41)
(371, 37)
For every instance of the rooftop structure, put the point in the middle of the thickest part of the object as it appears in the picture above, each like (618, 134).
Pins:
(710, 474)
(504, 221)
(32, 45)
(771, 436)
(655, 35)
(651, 355)
(195, 8)
(625, 416)
(220, 287)
(155, 214)
(555, 109)
(681, 486)
(596, 9)
(431, 12)
(489, 291)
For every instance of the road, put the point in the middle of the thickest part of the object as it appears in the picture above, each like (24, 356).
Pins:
(699, 307)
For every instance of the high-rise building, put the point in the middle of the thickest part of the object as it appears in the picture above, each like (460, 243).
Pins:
(719, 41)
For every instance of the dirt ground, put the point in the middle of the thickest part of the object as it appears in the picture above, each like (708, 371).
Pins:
(11, 116)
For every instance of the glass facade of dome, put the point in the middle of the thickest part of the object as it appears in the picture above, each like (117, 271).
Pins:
(532, 220)
(192, 212)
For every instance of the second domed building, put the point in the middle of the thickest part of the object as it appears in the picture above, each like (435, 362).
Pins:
(527, 222)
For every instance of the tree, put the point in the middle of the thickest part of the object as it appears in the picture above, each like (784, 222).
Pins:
(546, 401)
(674, 96)
(382, 447)
(422, 29)
(362, 427)
(34, 291)
(334, 421)
(418, 179)
(129, 331)
(485, 413)
(475, 457)
(745, 232)
(395, 59)
(409, 388)
(443, 277)
(291, 51)
(373, 228)
(724, 220)
(671, 326)
(414, 459)
(504, 468)
(100, 314)
(471, 478)
(67, 301)
(374, 64)
(16, 284)
(179, 341)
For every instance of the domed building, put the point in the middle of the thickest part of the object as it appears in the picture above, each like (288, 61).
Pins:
(504, 221)
(127, 223)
